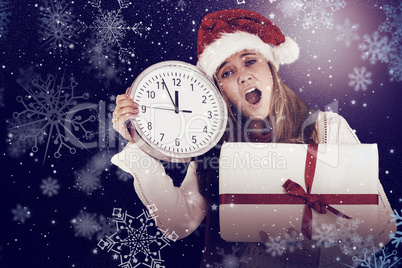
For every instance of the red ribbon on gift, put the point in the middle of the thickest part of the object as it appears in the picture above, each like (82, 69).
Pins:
(297, 195)
(313, 201)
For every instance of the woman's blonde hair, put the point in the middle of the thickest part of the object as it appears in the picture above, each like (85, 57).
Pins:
(287, 115)
(290, 119)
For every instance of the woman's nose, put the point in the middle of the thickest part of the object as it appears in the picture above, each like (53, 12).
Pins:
(243, 77)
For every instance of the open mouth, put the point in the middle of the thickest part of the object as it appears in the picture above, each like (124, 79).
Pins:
(253, 96)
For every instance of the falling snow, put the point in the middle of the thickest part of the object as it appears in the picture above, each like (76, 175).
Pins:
(136, 240)
(360, 79)
(347, 32)
(50, 104)
(376, 48)
(395, 67)
(318, 11)
(50, 187)
(21, 214)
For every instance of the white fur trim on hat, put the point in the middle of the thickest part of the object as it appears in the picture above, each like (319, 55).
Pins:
(229, 44)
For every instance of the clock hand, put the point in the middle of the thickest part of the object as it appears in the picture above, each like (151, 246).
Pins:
(168, 109)
(176, 101)
(170, 96)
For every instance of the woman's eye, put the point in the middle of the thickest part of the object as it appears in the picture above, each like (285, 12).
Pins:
(226, 74)
(249, 62)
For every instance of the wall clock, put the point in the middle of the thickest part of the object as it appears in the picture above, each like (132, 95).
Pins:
(182, 113)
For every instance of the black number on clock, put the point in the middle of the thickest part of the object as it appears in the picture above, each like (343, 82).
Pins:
(144, 108)
(204, 99)
(209, 114)
(163, 84)
(176, 82)
(193, 139)
(149, 125)
(151, 94)
(205, 129)
(162, 135)
(177, 142)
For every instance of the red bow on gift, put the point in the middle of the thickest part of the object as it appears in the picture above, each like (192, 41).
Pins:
(313, 201)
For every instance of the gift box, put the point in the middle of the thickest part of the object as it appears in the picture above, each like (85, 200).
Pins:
(277, 187)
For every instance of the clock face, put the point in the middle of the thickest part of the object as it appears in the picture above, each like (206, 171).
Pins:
(182, 113)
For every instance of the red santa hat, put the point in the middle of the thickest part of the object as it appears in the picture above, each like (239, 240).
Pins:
(224, 33)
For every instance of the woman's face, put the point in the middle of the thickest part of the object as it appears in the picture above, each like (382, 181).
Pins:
(246, 79)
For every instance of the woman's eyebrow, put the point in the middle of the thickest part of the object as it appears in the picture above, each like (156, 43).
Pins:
(221, 66)
(247, 54)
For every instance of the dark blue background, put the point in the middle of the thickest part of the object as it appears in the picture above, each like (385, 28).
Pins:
(48, 238)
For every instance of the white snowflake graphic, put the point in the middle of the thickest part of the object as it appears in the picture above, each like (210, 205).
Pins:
(371, 259)
(396, 238)
(4, 16)
(85, 224)
(48, 104)
(347, 32)
(50, 187)
(231, 260)
(111, 29)
(136, 240)
(393, 21)
(239, 2)
(376, 48)
(21, 214)
(360, 79)
(56, 26)
(289, 8)
(318, 11)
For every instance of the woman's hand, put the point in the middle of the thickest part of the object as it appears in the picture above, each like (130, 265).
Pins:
(125, 109)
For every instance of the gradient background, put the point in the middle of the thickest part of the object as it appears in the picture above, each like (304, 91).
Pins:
(49, 237)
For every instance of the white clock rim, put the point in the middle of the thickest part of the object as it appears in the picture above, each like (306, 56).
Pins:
(176, 157)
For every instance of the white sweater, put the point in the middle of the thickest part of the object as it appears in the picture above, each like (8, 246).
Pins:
(182, 209)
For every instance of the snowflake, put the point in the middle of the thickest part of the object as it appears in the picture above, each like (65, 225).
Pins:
(377, 48)
(325, 235)
(181, 5)
(123, 176)
(347, 32)
(318, 11)
(85, 224)
(396, 239)
(101, 58)
(359, 79)
(393, 22)
(395, 67)
(20, 136)
(105, 227)
(289, 7)
(57, 25)
(370, 259)
(110, 29)
(51, 104)
(50, 187)
(231, 260)
(88, 180)
(275, 247)
(4, 14)
(136, 240)
(21, 213)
